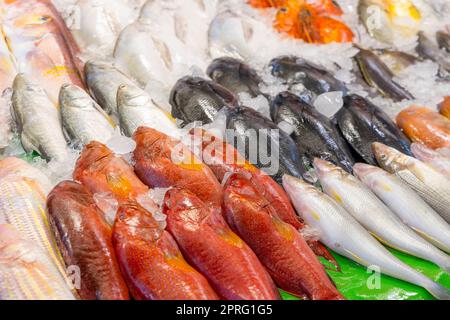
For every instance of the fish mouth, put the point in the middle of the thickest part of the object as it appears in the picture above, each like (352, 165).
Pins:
(324, 168)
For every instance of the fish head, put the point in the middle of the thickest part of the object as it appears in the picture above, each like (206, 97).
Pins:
(23, 83)
(222, 67)
(325, 169)
(295, 185)
(366, 173)
(131, 96)
(389, 158)
(72, 96)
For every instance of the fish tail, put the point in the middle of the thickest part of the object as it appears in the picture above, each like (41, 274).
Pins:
(437, 290)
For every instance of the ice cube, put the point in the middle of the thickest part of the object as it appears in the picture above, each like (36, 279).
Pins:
(108, 204)
(329, 103)
(120, 144)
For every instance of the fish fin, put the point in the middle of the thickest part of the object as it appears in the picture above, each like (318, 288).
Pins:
(438, 291)
(320, 250)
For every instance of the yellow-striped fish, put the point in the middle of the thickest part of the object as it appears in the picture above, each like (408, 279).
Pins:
(26, 272)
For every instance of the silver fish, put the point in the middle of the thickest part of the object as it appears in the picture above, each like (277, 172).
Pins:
(406, 204)
(374, 215)
(103, 81)
(38, 120)
(83, 119)
(137, 109)
(26, 272)
(434, 158)
(342, 233)
(432, 186)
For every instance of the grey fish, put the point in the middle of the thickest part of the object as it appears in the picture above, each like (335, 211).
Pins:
(38, 120)
(103, 81)
(362, 123)
(198, 99)
(374, 215)
(314, 133)
(432, 186)
(378, 75)
(236, 76)
(443, 39)
(429, 50)
(342, 233)
(304, 78)
(263, 143)
(83, 119)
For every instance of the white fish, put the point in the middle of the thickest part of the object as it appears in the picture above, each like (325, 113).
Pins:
(407, 204)
(143, 55)
(96, 24)
(229, 35)
(374, 215)
(26, 272)
(434, 158)
(432, 186)
(137, 109)
(83, 119)
(342, 233)
(103, 80)
(38, 120)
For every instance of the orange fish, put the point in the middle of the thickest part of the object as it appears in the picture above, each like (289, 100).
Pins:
(41, 44)
(101, 171)
(151, 262)
(425, 126)
(444, 107)
(163, 162)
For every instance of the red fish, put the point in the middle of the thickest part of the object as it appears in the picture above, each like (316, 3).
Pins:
(151, 262)
(224, 159)
(218, 253)
(84, 238)
(100, 170)
(163, 162)
(444, 107)
(278, 245)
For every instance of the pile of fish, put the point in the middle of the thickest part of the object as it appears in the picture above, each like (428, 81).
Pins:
(194, 173)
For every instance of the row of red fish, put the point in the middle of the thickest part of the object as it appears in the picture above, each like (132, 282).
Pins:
(239, 241)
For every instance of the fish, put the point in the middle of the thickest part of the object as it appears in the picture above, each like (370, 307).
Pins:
(262, 143)
(84, 239)
(322, 7)
(83, 119)
(223, 159)
(151, 262)
(102, 171)
(26, 272)
(163, 162)
(425, 126)
(304, 78)
(396, 61)
(142, 55)
(443, 39)
(23, 191)
(432, 186)
(42, 45)
(444, 107)
(38, 120)
(197, 99)
(236, 76)
(390, 21)
(406, 204)
(364, 206)
(98, 24)
(432, 157)
(378, 75)
(342, 233)
(231, 35)
(231, 267)
(305, 21)
(314, 134)
(103, 81)
(279, 246)
(426, 48)
(7, 73)
(136, 108)
(362, 123)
